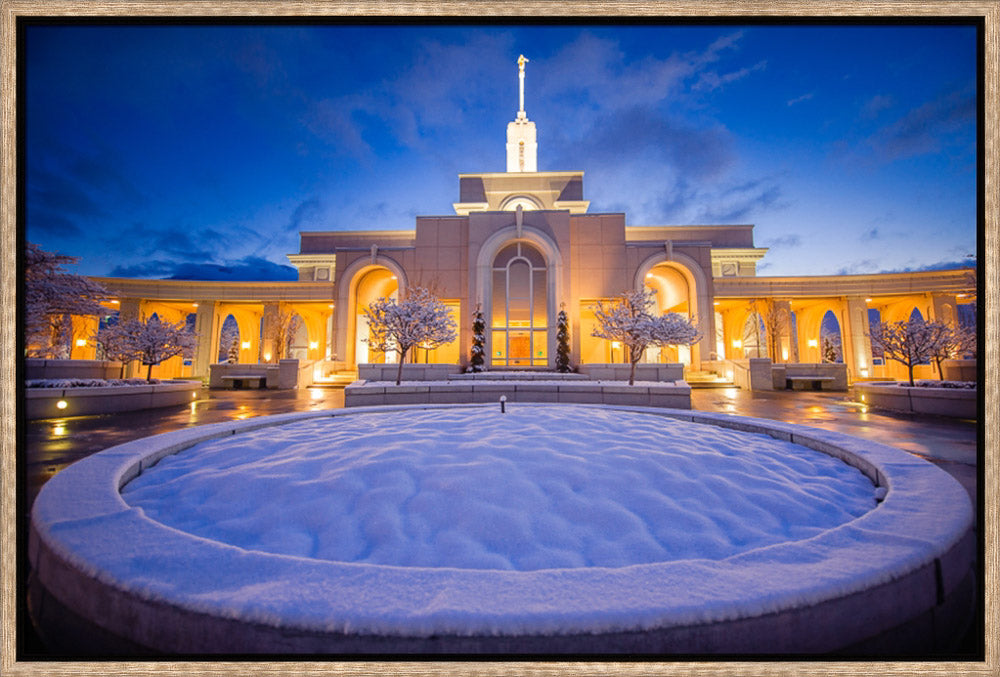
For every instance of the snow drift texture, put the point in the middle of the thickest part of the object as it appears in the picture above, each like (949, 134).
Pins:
(535, 488)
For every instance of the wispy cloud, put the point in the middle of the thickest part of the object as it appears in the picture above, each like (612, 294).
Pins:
(875, 105)
(800, 99)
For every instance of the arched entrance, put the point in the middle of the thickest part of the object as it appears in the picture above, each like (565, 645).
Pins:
(373, 283)
(673, 295)
(519, 306)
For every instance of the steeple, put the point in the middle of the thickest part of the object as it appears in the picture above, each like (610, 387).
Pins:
(522, 147)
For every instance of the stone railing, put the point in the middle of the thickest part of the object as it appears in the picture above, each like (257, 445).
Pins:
(676, 394)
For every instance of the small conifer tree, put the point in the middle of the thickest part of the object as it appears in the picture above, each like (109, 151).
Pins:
(562, 342)
(477, 360)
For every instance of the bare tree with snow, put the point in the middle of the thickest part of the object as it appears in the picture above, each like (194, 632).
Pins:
(629, 320)
(910, 343)
(116, 342)
(953, 342)
(419, 319)
(155, 341)
(52, 296)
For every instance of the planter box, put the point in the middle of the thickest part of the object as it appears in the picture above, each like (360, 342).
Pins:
(953, 402)
(44, 402)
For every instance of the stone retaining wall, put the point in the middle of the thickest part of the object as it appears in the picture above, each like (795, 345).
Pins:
(80, 401)
(676, 395)
(952, 402)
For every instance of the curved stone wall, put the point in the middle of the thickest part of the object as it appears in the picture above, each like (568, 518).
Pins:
(897, 579)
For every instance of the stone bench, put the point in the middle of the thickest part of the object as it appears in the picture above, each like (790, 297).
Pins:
(808, 382)
(236, 381)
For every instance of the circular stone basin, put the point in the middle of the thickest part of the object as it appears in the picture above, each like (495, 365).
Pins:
(548, 529)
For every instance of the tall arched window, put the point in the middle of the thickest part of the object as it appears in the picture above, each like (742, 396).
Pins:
(519, 310)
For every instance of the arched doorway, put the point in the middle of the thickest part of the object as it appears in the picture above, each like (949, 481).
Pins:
(831, 341)
(519, 306)
(229, 340)
(373, 283)
(673, 295)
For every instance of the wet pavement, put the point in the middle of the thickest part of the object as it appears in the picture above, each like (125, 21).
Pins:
(50, 445)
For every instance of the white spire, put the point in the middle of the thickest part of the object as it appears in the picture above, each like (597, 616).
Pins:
(522, 148)
(520, 76)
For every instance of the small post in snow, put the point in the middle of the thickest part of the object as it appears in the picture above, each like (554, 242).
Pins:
(503, 404)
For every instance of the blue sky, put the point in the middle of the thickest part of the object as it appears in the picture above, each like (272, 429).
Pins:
(202, 151)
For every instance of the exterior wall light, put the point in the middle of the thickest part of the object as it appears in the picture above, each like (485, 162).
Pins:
(245, 345)
(864, 374)
(267, 357)
(812, 343)
(737, 344)
(114, 302)
(62, 404)
(194, 305)
(81, 342)
(313, 345)
(868, 300)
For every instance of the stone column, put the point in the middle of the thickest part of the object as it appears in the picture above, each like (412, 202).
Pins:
(207, 325)
(268, 328)
(854, 331)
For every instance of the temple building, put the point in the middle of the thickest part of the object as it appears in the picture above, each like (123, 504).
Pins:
(521, 245)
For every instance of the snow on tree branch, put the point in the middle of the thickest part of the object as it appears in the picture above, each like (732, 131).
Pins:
(910, 343)
(420, 319)
(629, 320)
(51, 295)
(150, 341)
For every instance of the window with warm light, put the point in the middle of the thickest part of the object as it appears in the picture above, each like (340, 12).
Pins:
(519, 314)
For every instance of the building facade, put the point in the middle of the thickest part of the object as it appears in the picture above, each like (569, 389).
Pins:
(520, 246)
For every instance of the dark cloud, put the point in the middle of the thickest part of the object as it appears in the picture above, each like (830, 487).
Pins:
(939, 265)
(927, 128)
(247, 269)
(307, 211)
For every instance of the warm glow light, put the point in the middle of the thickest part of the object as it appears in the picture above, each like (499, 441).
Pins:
(812, 343)
(864, 373)
(194, 305)
(59, 429)
(81, 342)
(868, 300)
(194, 396)
(715, 303)
(862, 398)
(392, 277)
(313, 345)
(784, 354)
(267, 357)
(316, 394)
(737, 344)
(114, 301)
(616, 344)
(649, 275)
(62, 404)
(246, 345)
(729, 375)
(330, 306)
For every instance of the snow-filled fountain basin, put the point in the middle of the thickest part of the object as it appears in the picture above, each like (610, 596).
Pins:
(546, 529)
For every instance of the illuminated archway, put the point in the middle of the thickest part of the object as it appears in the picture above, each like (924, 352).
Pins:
(371, 284)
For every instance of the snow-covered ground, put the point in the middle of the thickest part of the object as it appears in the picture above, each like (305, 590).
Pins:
(535, 488)
(87, 382)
